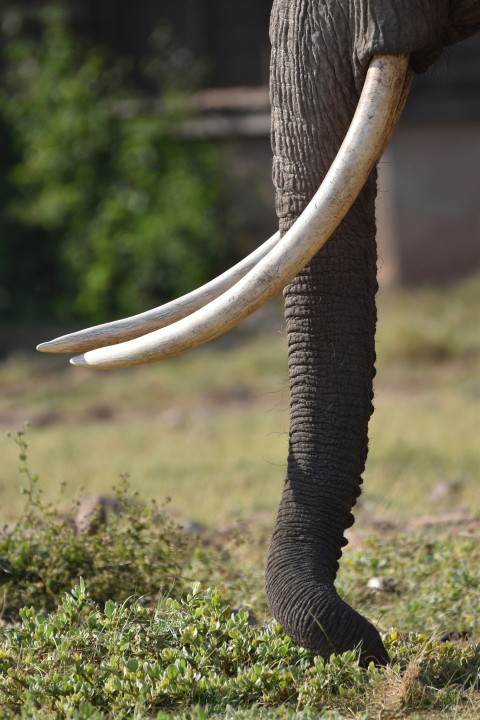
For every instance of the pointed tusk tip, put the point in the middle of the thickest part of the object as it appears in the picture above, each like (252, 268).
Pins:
(79, 361)
(52, 346)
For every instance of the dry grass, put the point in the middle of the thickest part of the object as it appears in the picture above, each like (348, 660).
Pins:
(210, 429)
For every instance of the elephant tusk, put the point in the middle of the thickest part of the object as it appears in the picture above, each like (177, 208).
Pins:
(377, 113)
(131, 327)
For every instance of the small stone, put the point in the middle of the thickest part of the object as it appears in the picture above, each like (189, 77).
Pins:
(382, 584)
(49, 417)
(445, 490)
(454, 636)
(99, 412)
(190, 527)
(92, 513)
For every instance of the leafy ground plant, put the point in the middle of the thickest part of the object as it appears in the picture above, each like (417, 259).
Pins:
(136, 551)
(130, 661)
(135, 639)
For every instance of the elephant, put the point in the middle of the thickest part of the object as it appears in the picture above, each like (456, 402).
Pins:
(340, 72)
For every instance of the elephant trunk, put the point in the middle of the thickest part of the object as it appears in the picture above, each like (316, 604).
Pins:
(331, 317)
(330, 314)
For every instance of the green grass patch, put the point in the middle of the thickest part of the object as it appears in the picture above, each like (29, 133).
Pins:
(430, 326)
(124, 661)
(110, 623)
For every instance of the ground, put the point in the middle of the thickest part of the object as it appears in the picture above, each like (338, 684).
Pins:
(209, 431)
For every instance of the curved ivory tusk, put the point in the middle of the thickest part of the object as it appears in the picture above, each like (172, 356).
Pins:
(378, 110)
(136, 325)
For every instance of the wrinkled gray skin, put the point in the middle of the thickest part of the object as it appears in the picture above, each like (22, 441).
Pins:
(320, 55)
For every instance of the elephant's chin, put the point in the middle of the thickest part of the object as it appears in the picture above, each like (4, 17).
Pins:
(318, 619)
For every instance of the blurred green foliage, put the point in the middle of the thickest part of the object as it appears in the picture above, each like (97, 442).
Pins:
(103, 209)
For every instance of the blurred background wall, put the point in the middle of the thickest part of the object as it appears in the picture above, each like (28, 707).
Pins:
(428, 205)
(429, 209)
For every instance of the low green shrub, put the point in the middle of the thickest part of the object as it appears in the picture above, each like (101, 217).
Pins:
(135, 639)
(136, 551)
(124, 661)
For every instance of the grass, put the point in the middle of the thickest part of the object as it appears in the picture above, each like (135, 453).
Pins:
(135, 638)
(132, 661)
(179, 428)
(128, 642)
(209, 429)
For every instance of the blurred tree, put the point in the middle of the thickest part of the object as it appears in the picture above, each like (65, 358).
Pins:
(103, 211)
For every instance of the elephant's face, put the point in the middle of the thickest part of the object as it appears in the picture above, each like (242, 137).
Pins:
(321, 50)
(421, 28)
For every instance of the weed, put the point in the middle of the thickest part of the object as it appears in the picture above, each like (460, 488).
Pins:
(137, 551)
